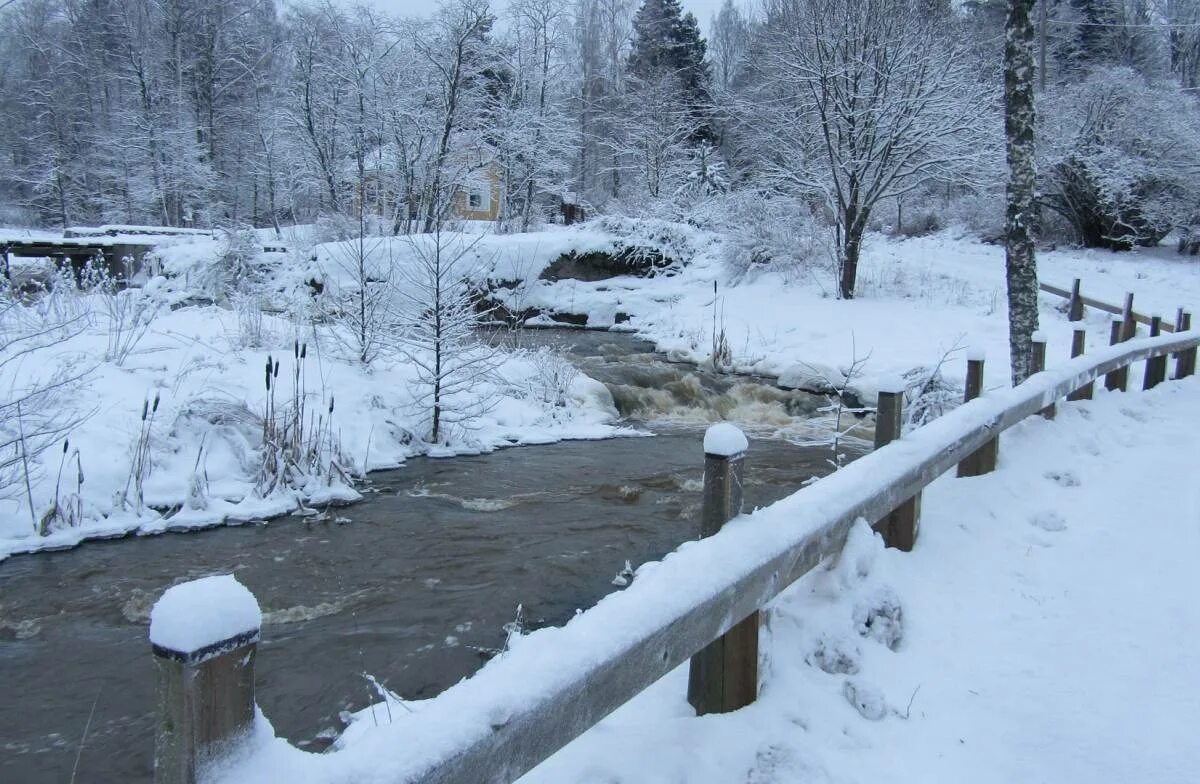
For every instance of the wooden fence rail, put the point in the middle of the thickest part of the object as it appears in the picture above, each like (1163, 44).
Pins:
(522, 708)
(1076, 301)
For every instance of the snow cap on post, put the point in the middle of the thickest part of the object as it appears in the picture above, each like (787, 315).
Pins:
(725, 440)
(891, 385)
(200, 619)
(976, 355)
(1038, 337)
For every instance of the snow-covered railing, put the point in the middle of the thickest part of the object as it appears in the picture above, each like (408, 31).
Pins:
(527, 704)
(1130, 318)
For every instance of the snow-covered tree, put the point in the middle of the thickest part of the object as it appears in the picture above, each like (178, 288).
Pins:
(535, 139)
(668, 50)
(1019, 122)
(440, 323)
(1120, 158)
(858, 101)
(728, 43)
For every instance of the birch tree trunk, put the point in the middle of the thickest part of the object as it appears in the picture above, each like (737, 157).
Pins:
(1020, 264)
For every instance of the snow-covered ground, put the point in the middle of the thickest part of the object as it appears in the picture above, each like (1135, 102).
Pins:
(918, 299)
(1043, 629)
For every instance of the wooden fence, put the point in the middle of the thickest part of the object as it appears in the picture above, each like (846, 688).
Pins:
(1130, 318)
(704, 613)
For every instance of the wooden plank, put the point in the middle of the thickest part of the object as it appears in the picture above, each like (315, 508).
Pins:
(1185, 361)
(723, 677)
(517, 740)
(899, 527)
(1075, 310)
(1117, 379)
(1091, 302)
(983, 460)
(1078, 341)
(1156, 367)
(1037, 363)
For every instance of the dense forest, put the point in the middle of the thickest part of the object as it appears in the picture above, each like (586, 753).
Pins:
(855, 114)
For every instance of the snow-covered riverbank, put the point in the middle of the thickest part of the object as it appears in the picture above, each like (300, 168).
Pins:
(921, 302)
(204, 441)
(919, 299)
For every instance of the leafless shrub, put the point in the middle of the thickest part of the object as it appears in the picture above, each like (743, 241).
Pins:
(360, 309)
(37, 405)
(253, 325)
(126, 313)
(927, 394)
(552, 379)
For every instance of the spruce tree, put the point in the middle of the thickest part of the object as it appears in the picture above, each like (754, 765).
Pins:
(667, 44)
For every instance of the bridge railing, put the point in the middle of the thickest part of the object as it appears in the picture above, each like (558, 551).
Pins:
(529, 703)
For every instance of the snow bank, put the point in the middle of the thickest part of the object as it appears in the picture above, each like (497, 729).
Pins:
(205, 439)
(201, 613)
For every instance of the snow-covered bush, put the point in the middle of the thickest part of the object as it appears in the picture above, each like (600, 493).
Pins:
(438, 328)
(980, 212)
(776, 234)
(333, 227)
(927, 394)
(360, 312)
(1120, 157)
(659, 243)
(253, 325)
(552, 379)
(126, 314)
(237, 269)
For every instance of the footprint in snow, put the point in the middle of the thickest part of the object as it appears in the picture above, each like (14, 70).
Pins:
(866, 699)
(1048, 521)
(1063, 478)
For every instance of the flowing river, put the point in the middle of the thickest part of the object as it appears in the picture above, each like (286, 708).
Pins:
(414, 586)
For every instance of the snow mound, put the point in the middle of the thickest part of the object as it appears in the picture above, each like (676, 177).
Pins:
(199, 613)
(725, 440)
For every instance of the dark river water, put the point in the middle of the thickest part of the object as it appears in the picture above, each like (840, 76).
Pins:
(413, 586)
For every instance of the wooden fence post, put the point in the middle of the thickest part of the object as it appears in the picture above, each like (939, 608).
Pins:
(1037, 363)
(1078, 341)
(724, 675)
(1156, 367)
(899, 528)
(982, 460)
(1118, 378)
(204, 635)
(1075, 313)
(1185, 364)
(1129, 324)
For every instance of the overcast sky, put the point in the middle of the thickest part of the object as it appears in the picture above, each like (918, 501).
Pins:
(703, 9)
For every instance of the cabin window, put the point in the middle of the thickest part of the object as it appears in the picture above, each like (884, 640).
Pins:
(479, 198)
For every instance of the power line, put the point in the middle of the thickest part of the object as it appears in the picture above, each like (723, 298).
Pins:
(1163, 26)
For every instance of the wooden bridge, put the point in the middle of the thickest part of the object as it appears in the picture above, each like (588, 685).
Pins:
(121, 253)
(517, 712)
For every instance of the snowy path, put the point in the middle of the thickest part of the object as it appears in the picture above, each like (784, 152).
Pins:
(1049, 630)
